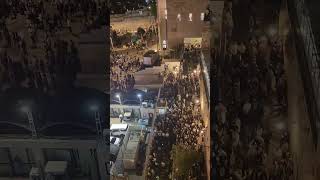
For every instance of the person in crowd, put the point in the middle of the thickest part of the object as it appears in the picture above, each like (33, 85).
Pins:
(182, 125)
(256, 66)
(58, 61)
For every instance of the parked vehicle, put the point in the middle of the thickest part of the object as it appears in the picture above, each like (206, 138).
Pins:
(115, 140)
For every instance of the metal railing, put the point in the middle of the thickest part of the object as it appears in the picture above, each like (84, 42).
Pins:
(205, 72)
(308, 59)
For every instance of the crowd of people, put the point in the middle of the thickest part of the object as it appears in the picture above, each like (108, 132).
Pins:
(121, 7)
(123, 66)
(253, 78)
(181, 125)
(55, 14)
(60, 65)
(36, 56)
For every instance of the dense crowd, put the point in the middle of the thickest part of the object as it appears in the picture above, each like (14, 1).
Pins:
(121, 7)
(36, 56)
(253, 78)
(55, 14)
(61, 63)
(123, 66)
(181, 125)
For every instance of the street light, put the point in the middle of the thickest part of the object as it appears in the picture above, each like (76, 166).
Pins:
(95, 109)
(140, 98)
(25, 108)
(119, 97)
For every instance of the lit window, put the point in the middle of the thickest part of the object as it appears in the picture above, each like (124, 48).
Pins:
(202, 16)
(179, 17)
(190, 16)
(165, 14)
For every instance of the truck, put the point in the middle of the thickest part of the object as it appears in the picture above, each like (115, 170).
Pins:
(150, 58)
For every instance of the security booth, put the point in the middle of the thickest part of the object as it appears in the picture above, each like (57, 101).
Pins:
(150, 58)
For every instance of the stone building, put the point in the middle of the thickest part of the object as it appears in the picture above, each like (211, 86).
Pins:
(180, 19)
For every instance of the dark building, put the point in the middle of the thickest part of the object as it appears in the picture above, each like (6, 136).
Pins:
(37, 130)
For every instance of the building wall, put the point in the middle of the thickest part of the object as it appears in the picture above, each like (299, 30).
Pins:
(161, 6)
(131, 24)
(42, 150)
(174, 30)
(305, 154)
(93, 58)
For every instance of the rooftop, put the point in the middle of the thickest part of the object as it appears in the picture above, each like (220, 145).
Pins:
(66, 114)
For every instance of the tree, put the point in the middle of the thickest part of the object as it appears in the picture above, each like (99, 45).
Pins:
(140, 32)
(183, 160)
(153, 6)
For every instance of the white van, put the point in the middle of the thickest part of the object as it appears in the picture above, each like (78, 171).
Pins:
(118, 130)
(122, 127)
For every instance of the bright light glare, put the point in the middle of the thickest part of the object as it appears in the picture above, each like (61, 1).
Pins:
(139, 95)
(118, 95)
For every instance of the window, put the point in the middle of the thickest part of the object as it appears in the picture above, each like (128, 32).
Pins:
(202, 16)
(179, 17)
(190, 16)
(165, 14)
